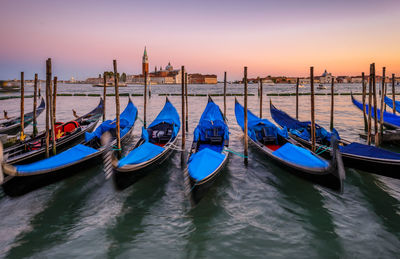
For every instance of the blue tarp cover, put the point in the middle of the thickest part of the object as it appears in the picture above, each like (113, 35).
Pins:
(204, 163)
(256, 124)
(168, 115)
(389, 102)
(300, 156)
(368, 151)
(141, 154)
(210, 119)
(127, 120)
(387, 116)
(71, 155)
(285, 120)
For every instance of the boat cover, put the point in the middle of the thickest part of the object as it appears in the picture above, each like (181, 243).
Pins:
(211, 118)
(387, 116)
(300, 156)
(141, 154)
(69, 156)
(301, 128)
(368, 151)
(389, 102)
(204, 163)
(127, 120)
(256, 124)
(168, 115)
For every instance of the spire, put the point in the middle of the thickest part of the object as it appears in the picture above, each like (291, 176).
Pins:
(145, 58)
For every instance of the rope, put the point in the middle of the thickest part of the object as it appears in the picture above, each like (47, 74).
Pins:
(322, 151)
(174, 147)
(140, 119)
(235, 153)
(115, 148)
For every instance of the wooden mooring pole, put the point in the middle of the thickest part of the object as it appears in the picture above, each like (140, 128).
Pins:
(104, 94)
(382, 105)
(312, 110)
(246, 144)
(48, 105)
(394, 93)
(22, 118)
(375, 105)
(369, 135)
(225, 94)
(117, 107)
(34, 123)
(183, 107)
(332, 102)
(53, 96)
(297, 98)
(261, 97)
(145, 99)
(364, 90)
(186, 103)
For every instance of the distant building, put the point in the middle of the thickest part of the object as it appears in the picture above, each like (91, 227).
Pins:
(325, 78)
(202, 79)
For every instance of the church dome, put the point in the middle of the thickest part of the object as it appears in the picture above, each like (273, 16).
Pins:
(169, 67)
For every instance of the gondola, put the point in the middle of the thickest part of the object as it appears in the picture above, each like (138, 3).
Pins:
(389, 102)
(156, 144)
(208, 155)
(390, 120)
(13, 125)
(284, 151)
(20, 179)
(67, 135)
(355, 155)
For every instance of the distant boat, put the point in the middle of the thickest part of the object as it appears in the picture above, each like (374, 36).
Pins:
(321, 86)
(110, 85)
(302, 86)
(9, 86)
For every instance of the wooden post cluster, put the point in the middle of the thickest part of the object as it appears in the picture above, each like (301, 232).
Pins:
(48, 88)
(332, 102)
(312, 109)
(183, 108)
(53, 113)
(261, 97)
(382, 105)
(225, 94)
(297, 98)
(246, 147)
(145, 98)
(104, 94)
(117, 107)
(393, 93)
(22, 136)
(369, 138)
(186, 103)
(364, 90)
(35, 130)
(375, 105)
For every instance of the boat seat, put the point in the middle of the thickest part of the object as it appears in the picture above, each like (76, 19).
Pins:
(160, 133)
(268, 137)
(214, 136)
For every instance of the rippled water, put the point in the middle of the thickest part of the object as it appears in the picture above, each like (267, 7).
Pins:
(254, 211)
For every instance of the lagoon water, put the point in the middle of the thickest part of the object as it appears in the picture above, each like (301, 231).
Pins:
(257, 211)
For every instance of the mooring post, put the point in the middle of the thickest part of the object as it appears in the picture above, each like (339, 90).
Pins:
(186, 102)
(53, 94)
(297, 98)
(261, 97)
(382, 105)
(117, 107)
(48, 104)
(369, 135)
(34, 124)
(225, 94)
(375, 106)
(312, 110)
(364, 90)
(22, 118)
(393, 94)
(104, 94)
(145, 99)
(246, 144)
(332, 102)
(183, 107)
(54, 97)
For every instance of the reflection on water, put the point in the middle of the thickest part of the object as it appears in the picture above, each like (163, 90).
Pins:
(258, 210)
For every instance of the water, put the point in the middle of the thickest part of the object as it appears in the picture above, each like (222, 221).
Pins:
(254, 211)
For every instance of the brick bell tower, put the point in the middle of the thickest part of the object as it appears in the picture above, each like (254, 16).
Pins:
(145, 63)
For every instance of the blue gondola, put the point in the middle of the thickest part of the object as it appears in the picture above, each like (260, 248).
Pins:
(21, 179)
(208, 155)
(155, 145)
(283, 150)
(355, 155)
(389, 102)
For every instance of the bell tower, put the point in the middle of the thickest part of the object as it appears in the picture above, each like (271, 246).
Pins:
(145, 63)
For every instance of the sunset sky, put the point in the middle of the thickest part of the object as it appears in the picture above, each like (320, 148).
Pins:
(283, 37)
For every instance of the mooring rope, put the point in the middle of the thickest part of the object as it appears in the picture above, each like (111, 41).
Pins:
(235, 153)
(322, 151)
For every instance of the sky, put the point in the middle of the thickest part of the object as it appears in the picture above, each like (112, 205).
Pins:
(270, 37)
